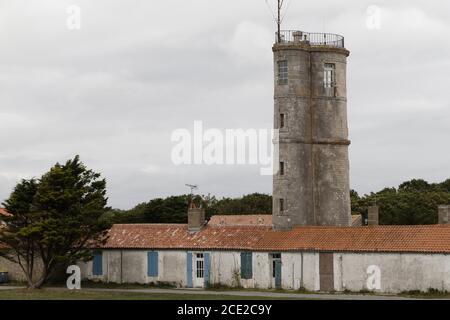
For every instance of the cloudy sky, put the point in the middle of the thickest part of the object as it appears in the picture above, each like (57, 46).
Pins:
(114, 90)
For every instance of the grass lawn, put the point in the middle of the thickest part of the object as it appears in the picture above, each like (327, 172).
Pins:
(86, 294)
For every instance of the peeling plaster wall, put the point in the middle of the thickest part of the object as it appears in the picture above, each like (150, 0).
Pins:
(399, 272)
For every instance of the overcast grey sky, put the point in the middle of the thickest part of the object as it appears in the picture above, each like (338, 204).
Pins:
(114, 91)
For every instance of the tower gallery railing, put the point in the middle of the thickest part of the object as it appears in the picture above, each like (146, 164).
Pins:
(314, 39)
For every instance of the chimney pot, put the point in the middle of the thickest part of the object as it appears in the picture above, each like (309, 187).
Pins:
(444, 214)
(196, 218)
(373, 215)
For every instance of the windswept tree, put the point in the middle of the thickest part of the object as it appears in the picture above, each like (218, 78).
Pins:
(54, 220)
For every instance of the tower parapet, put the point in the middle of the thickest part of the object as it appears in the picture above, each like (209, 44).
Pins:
(312, 38)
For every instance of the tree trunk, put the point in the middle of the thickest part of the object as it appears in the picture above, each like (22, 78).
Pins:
(26, 271)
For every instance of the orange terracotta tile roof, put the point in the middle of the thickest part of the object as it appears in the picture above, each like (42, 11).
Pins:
(177, 236)
(241, 220)
(3, 212)
(425, 239)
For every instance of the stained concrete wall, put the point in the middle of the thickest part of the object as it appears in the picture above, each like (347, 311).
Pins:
(15, 272)
(313, 144)
(130, 266)
(399, 272)
(226, 265)
(300, 271)
(225, 268)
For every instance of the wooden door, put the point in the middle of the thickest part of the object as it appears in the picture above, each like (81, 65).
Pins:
(326, 272)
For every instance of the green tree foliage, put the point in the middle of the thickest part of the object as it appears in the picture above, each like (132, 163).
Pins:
(414, 202)
(355, 201)
(254, 203)
(54, 219)
(445, 186)
(174, 209)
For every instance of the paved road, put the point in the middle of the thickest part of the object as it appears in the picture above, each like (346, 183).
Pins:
(235, 293)
(260, 294)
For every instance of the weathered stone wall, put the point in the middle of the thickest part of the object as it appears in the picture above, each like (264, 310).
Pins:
(313, 144)
(293, 100)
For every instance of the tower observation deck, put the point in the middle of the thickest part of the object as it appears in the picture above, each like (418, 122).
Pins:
(313, 38)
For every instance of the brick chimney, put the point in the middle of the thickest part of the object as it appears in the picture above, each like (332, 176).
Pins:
(196, 218)
(444, 214)
(373, 215)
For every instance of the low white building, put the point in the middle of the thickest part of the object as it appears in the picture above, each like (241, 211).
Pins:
(245, 251)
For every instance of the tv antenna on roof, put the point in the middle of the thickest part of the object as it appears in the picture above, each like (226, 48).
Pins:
(192, 187)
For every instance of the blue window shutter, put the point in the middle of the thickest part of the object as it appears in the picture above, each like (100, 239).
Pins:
(277, 274)
(189, 270)
(250, 265)
(206, 266)
(152, 263)
(97, 264)
(243, 265)
(100, 263)
(246, 265)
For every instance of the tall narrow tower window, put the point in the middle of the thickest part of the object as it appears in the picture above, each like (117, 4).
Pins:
(282, 120)
(329, 75)
(281, 168)
(281, 206)
(282, 72)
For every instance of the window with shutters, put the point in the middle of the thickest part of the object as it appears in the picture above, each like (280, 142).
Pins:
(152, 264)
(246, 265)
(97, 264)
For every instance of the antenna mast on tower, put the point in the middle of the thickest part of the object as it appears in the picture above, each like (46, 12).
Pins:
(278, 16)
(279, 19)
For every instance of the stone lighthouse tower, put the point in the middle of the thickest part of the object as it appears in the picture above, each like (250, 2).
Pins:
(312, 183)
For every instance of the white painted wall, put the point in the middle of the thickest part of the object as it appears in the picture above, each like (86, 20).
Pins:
(262, 270)
(132, 267)
(399, 272)
(225, 268)
(294, 275)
